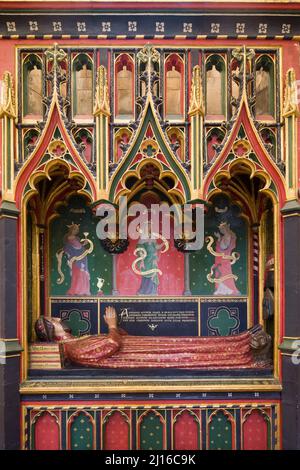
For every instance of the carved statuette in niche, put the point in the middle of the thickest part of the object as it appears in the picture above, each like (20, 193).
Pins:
(124, 91)
(214, 91)
(173, 104)
(34, 92)
(262, 92)
(84, 91)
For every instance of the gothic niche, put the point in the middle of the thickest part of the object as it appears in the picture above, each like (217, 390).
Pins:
(33, 87)
(124, 88)
(151, 267)
(82, 86)
(269, 137)
(174, 97)
(215, 86)
(214, 139)
(30, 138)
(235, 84)
(121, 141)
(176, 136)
(264, 87)
(85, 140)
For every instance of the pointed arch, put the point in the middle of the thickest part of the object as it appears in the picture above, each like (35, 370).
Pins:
(174, 88)
(215, 75)
(82, 86)
(186, 430)
(46, 431)
(32, 87)
(151, 427)
(265, 86)
(135, 180)
(54, 123)
(149, 118)
(221, 430)
(81, 431)
(252, 187)
(124, 87)
(258, 154)
(52, 182)
(116, 431)
(256, 430)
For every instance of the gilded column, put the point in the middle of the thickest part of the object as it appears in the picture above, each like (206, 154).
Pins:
(102, 115)
(196, 113)
(290, 115)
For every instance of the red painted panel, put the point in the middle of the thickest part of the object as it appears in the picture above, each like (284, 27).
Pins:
(46, 432)
(116, 432)
(255, 432)
(171, 264)
(186, 432)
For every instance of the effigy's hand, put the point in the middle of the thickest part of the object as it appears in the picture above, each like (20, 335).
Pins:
(110, 317)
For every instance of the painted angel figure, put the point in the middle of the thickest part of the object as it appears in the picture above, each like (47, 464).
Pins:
(221, 272)
(77, 251)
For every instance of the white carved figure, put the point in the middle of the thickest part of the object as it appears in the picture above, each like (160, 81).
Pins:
(34, 92)
(214, 91)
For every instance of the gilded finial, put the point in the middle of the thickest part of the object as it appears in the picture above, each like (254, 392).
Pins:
(149, 56)
(196, 100)
(7, 98)
(55, 55)
(102, 96)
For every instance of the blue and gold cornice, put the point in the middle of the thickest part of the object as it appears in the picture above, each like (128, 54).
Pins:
(187, 22)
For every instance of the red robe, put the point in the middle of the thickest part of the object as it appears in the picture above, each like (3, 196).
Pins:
(131, 352)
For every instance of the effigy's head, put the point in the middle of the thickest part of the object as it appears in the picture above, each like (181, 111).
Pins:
(51, 329)
(259, 339)
(44, 329)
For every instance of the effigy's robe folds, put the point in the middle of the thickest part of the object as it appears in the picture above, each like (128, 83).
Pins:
(118, 351)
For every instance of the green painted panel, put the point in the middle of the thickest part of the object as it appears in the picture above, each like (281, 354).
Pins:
(215, 275)
(220, 432)
(223, 322)
(82, 433)
(97, 264)
(151, 432)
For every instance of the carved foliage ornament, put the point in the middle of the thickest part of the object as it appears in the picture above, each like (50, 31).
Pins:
(197, 100)
(101, 96)
(290, 94)
(7, 99)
